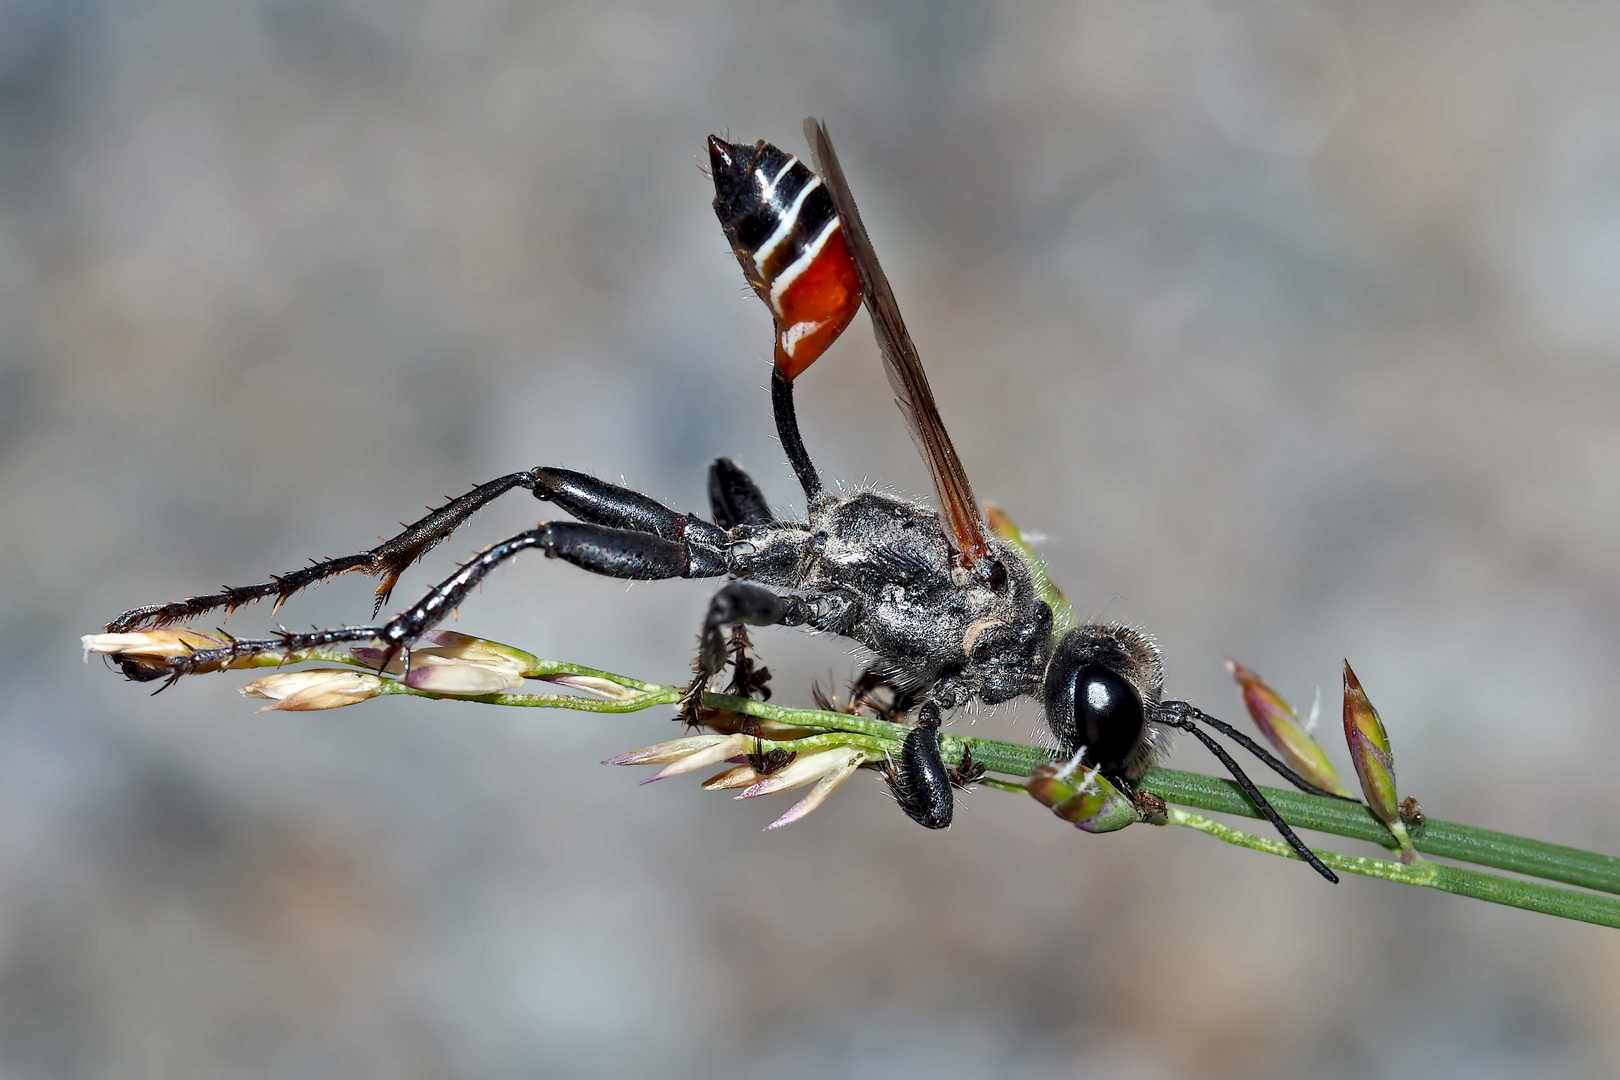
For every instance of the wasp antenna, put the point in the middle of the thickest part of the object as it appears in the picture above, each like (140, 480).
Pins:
(1193, 713)
(1255, 797)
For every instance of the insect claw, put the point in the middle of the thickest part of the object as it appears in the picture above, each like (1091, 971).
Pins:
(691, 710)
(967, 772)
(749, 678)
(174, 677)
(385, 587)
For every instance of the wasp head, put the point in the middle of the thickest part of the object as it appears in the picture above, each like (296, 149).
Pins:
(1101, 685)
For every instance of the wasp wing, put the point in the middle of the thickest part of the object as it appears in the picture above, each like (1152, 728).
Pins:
(902, 364)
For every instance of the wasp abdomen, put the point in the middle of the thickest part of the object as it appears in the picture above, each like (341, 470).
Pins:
(783, 228)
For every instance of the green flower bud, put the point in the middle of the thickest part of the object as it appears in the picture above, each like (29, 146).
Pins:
(1369, 749)
(1280, 725)
(1085, 800)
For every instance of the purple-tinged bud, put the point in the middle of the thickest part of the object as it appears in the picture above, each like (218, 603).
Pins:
(372, 657)
(449, 647)
(673, 750)
(684, 755)
(1085, 800)
(456, 665)
(1369, 749)
(314, 688)
(1280, 725)
(460, 679)
(158, 643)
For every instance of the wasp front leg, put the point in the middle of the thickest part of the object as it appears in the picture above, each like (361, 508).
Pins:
(967, 772)
(863, 694)
(920, 780)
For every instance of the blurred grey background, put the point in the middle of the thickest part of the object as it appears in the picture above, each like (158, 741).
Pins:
(1293, 329)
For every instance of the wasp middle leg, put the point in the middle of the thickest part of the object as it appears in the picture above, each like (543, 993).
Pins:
(734, 498)
(746, 603)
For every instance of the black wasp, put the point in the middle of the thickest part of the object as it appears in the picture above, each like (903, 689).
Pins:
(950, 612)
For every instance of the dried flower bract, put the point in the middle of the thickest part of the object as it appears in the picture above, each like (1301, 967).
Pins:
(315, 688)
(826, 769)
(144, 654)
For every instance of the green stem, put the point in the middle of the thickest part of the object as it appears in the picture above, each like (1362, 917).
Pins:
(542, 668)
(876, 747)
(277, 658)
(663, 696)
(1445, 839)
(810, 718)
(1530, 895)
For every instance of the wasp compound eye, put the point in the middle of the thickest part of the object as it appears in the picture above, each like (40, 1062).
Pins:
(1092, 706)
(1108, 716)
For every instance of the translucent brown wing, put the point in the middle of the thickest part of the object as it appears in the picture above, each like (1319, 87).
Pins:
(956, 503)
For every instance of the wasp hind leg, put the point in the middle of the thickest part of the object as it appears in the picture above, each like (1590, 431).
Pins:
(616, 553)
(387, 560)
(590, 500)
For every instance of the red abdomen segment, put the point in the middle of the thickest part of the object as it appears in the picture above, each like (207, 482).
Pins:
(785, 232)
(815, 305)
